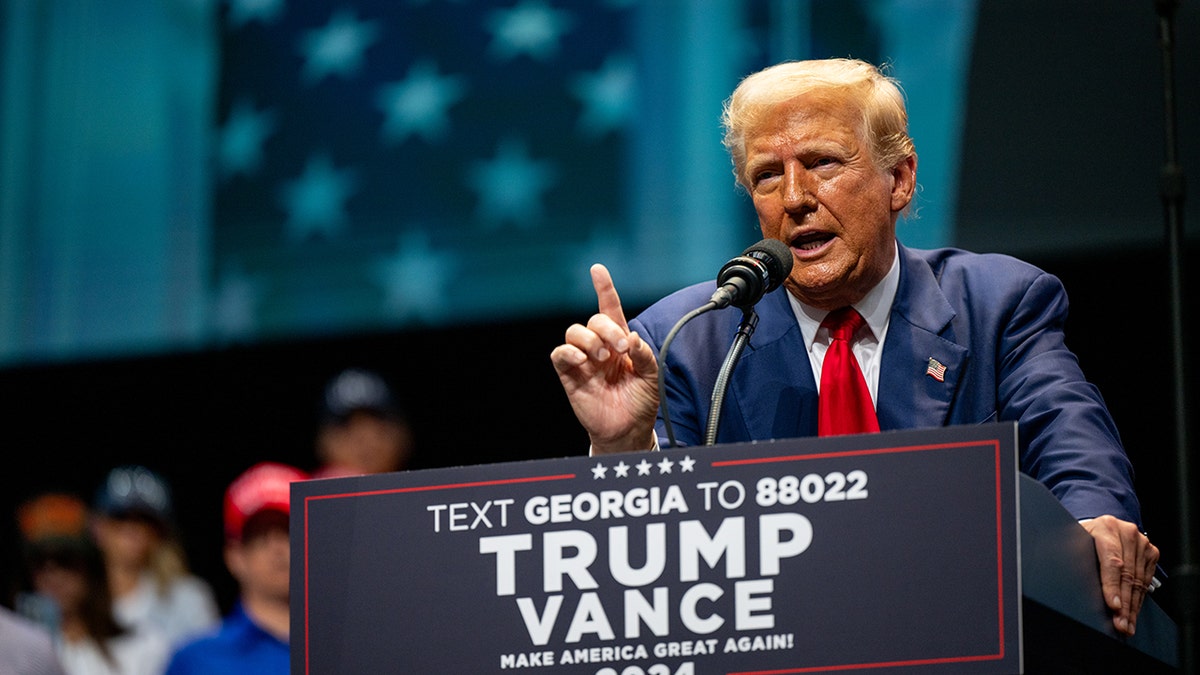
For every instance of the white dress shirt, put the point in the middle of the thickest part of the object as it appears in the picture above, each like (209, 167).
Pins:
(875, 308)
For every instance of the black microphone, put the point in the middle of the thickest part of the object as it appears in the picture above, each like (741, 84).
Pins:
(757, 271)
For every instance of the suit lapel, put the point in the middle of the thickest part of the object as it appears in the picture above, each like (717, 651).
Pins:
(773, 386)
(910, 395)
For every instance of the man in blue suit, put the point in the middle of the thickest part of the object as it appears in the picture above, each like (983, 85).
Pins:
(948, 337)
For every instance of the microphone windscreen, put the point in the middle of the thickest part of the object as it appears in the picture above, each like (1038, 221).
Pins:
(776, 256)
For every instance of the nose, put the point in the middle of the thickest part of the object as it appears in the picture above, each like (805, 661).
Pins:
(796, 195)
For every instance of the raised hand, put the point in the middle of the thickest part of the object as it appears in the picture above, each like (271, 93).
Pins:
(610, 375)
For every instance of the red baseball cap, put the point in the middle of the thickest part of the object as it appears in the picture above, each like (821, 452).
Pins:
(264, 486)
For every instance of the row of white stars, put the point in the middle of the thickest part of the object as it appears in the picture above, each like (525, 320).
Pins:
(419, 104)
(621, 469)
(532, 27)
(522, 22)
(414, 277)
(510, 185)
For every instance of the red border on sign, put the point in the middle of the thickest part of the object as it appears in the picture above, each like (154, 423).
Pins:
(420, 488)
(999, 655)
(994, 444)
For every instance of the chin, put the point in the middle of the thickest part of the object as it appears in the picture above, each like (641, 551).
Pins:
(826, 295)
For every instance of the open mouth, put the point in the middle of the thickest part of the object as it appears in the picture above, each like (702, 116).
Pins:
(811, 241)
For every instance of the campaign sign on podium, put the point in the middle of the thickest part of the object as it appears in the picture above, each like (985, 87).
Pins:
(870, 553)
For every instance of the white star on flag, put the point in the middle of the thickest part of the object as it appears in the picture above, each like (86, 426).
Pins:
(417, 105)
(242, 12)
(235, 304)
(532, 28)
(240, 147)
(337, 48)
(414, 279)
(510, 186)
(315, 201)
(607, 95)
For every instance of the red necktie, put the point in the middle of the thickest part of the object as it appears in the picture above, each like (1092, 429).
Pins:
(845, 403)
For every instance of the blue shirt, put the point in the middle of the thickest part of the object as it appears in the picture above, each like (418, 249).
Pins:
(238, 647)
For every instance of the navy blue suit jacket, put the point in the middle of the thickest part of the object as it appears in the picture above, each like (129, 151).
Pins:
(995, 322)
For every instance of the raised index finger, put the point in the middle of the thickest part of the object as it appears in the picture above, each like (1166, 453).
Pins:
(606, 294)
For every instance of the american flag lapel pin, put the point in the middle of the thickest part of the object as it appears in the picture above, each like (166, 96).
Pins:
(936, 369)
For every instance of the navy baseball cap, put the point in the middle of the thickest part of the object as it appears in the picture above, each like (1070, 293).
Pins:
(135, 491)
(357, 389)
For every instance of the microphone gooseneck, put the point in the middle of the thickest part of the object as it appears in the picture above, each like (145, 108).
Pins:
(742, 282)
(745, 330)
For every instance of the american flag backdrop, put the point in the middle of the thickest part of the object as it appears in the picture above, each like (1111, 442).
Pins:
(406, 162)
(183, 173)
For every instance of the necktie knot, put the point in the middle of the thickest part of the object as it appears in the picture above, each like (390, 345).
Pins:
(843, 323)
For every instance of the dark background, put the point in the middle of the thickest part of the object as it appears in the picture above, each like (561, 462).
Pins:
(477, 394)
(1062, 153)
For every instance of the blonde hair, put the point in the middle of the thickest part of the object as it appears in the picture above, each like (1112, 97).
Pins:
(168, 564)
(858, 83)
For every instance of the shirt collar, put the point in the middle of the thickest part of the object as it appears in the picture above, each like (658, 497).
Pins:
(875, 307)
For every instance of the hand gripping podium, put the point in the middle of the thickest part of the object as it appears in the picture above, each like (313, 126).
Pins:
(912, 551)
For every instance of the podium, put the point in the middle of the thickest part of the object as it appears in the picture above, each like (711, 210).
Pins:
(910, 551)
(1059, 599)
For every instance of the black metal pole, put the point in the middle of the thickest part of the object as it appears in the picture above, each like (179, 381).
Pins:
(1186, 576)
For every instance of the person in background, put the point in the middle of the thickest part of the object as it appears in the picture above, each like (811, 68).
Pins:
(253, 639)
(362, 427)
(25, 647)
(147, 570)
(67, 571)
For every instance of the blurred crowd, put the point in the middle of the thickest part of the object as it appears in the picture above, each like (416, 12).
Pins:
(104, 586)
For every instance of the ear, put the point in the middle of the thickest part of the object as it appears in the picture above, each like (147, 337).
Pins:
(234, 560)
(904, 182)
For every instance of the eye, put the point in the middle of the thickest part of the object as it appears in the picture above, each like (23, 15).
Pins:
(763, 175)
